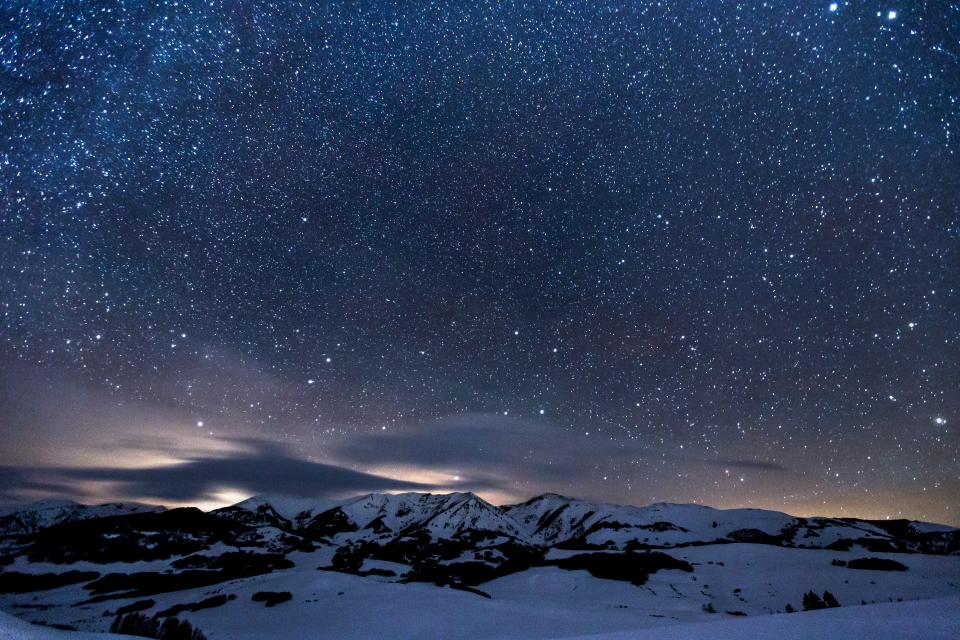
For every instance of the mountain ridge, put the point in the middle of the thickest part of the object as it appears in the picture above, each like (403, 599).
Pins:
(114, 557)
(542, 519)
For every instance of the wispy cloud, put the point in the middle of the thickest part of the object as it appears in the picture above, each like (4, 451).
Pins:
(255, 467)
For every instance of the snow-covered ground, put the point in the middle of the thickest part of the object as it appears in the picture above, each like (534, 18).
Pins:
(918, 620)
(936, 619)
(539, 603)
(12, 628)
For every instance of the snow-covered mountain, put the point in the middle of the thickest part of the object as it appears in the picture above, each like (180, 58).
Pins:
(439, 516)
(589, 567)
(23, 519)
(282, 511)
(553, 520)
(546, 520)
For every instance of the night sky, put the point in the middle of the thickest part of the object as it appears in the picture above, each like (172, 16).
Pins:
(633, 251)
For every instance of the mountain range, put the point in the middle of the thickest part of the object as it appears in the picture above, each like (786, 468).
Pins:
(90, 567)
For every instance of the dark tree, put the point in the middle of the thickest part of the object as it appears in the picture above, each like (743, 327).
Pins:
(829, 600)
(812, 601)
(136, 624)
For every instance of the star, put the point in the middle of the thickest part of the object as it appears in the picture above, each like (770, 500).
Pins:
(408, 190)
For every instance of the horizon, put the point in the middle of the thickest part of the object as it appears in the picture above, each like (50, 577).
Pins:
(337, 501)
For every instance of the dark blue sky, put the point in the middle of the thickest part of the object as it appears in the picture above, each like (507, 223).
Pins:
(689, 250)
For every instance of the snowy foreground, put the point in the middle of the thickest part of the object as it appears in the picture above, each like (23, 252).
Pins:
(416, 566)
(923, 619)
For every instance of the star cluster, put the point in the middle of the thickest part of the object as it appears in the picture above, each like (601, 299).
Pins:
(713, 243)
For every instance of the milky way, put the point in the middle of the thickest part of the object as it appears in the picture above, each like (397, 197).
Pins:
(690, 251)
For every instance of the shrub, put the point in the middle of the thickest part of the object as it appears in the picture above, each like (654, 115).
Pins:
(131, 537)
(271, 598)
(755, 536)
(133, 607)
(630, 567)
(227, 566)
(136, 624)
(16, 582)
(209, 603)
(876, 564)
(148, 583)
(238, 563)
(811, 601)
(349, 558)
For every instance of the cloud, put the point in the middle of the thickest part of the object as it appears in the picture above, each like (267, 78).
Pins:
(257, 467)
(18, 482)
(524, 456)
(489, 445)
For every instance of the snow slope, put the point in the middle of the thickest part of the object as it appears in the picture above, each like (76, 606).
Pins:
(918, 620)
(12, 628)
(539, 603)
(937, 619)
